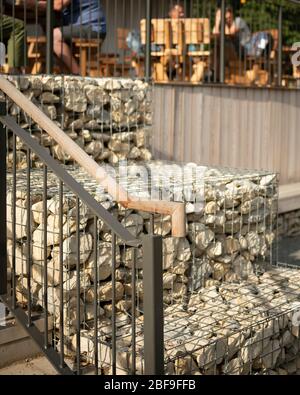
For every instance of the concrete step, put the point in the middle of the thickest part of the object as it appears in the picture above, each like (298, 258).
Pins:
(15, 344)
(289, 197)
(29, 366)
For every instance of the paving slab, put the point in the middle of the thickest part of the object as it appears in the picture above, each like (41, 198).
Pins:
(35, 366)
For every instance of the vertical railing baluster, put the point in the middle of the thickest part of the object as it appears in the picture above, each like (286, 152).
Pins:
(78, 287)
(49, 34)
(61, 276)
(113, 317)
(151, 224)
(45, 212)
(280, 46)
(13, 202)
(148, 41)
(28, 234)
(3, 241)
(222, 44)
(133, 311)
(96, 293)
(153, 304)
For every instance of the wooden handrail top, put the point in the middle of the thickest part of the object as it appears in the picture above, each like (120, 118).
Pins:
(176, 210)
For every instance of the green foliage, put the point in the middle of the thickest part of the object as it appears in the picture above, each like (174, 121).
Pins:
(259, 14)
(262, 15)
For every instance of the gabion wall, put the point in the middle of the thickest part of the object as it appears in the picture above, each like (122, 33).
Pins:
(190, 268)
(109, 118)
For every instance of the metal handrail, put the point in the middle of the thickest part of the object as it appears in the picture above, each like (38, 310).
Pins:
(174, 209)
(152, 266)
(78, 189)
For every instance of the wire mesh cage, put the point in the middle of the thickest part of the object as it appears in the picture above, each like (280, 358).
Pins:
(189, 271)
(110, 118)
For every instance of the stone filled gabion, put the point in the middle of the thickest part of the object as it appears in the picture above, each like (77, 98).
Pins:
(227, 310)
(251, 327)
(109, 118)
(215, 252)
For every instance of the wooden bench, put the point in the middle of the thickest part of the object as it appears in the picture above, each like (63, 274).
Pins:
(174, 39)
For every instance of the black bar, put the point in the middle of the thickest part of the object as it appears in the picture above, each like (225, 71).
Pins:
(28, 234)
(279, 81)
(3, 251)
(13, 202)
(61, 277)
(49, 36)
(78, 287)
(45, 212)
(113, 302)
(153, 305)
(222, 44)
(148, 41)
(133, 311)
(95, 294)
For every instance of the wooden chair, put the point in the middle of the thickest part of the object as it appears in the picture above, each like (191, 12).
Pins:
(161, 40)
(128, 60)
(197, 33)
(253, 70)
(296, 72)
(36, 53)
(91, 61)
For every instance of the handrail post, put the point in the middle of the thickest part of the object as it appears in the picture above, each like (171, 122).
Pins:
(148, 41)
(153, 305)
(3, 241)
(49, 34)
(280, 46)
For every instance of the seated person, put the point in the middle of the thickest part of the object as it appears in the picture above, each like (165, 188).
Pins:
(81, 19)
(236, 29)
(176, 11)
(14, 36)
(173, 67)
(237, 37)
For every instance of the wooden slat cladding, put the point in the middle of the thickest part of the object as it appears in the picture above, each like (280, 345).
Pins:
(229, 126)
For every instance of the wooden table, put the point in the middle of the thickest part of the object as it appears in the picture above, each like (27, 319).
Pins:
(89, 53)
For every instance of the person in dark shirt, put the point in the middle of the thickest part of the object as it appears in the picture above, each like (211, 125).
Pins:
(81, 19)
(235, 28)
(237, 37)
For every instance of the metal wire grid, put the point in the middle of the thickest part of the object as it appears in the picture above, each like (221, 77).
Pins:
(110, 118)
(123, 272)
